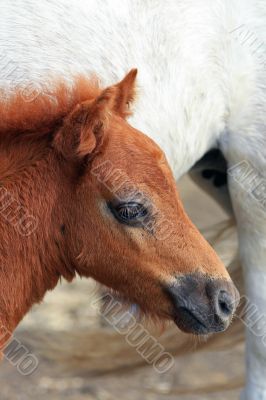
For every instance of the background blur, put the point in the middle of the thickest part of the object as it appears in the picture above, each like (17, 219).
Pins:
(81, 357)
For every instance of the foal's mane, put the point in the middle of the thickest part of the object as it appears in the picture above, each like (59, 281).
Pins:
(47, 109)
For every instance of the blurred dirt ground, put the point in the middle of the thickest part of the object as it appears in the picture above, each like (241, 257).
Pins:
(80, 358)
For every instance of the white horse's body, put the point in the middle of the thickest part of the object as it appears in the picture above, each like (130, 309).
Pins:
(202, 84)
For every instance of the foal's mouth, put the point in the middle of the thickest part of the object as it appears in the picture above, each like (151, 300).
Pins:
(201, 305)
(190, 323)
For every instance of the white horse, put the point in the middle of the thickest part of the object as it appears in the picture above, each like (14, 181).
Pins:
(202, 77)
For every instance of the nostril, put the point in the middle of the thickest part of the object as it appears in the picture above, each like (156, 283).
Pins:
(225, 304)
(224, 307)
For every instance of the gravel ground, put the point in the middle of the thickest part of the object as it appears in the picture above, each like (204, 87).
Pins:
(201, 376)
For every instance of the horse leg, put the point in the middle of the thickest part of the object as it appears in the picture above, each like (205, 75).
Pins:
(210, 174)
(248, 193)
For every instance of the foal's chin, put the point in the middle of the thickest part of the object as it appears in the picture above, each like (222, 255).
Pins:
(197, 326)
(185, 321)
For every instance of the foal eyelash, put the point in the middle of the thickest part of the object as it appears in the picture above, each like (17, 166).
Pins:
(129, 213)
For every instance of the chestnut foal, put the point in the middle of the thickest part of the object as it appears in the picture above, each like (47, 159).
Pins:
(82, 192)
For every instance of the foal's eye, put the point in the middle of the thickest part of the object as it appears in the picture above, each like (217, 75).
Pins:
(130, 213)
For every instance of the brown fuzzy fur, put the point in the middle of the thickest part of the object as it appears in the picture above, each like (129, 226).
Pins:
(48, 148)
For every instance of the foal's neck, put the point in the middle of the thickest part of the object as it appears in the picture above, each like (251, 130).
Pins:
(32, 248)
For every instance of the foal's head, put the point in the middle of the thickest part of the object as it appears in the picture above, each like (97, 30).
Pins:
(108, 208)
(127, 228)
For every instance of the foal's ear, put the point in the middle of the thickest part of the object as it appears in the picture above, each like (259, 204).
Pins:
(125, 93)
(84, 129)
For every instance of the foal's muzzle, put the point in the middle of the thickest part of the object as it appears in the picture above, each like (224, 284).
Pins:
(202, 305)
